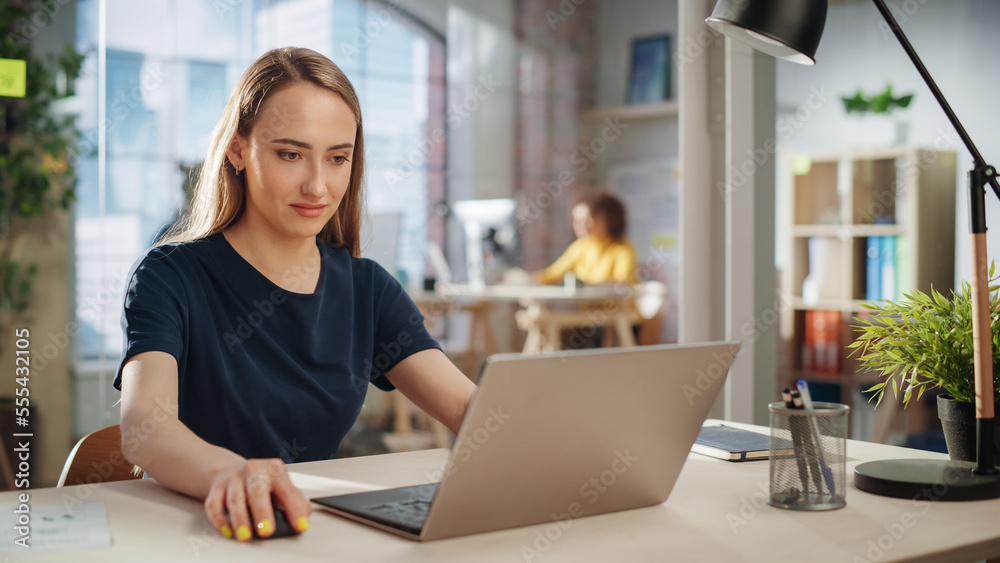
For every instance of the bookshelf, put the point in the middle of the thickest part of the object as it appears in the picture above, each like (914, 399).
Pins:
(841, 208)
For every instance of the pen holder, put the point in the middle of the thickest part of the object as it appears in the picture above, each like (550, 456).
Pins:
(808, 458)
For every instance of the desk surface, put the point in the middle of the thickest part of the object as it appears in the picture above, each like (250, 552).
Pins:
(716, 512)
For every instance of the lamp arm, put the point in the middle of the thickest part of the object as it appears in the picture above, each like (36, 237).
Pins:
(980, 175)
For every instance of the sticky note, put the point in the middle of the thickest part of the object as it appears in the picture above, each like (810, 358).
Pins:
(13, 77)
(664, 241)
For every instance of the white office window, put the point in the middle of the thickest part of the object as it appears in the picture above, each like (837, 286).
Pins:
(157, 81)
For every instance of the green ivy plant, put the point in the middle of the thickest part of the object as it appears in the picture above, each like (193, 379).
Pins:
(881, 103)
(37, 147)
(925, 341)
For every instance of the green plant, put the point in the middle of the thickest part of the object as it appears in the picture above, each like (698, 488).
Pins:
(925, 341)
(882, 103)
(37, 147)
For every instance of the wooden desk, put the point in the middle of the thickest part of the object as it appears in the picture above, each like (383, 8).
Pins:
(716, 512)
(609, 306)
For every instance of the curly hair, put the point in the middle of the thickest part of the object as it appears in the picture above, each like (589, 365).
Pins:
(608, 207)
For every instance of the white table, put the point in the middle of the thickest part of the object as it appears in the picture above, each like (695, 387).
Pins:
(716, 512)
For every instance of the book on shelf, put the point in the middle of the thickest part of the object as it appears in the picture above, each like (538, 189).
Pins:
(821, 279)
(873, 268)
(822, 343)
(808, 351)
(887, 260)
(735, 444)
(902, 267)
(882, 267)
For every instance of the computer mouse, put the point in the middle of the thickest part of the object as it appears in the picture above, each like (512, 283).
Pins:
(282, 528)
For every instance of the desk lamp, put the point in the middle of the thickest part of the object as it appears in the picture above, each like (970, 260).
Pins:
(791, 30)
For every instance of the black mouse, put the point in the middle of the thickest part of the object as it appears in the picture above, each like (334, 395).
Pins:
(282, 528)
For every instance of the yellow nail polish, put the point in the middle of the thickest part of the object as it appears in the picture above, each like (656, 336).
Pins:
(265, 526)
(227, 531)
(302, 524)
(243, 533)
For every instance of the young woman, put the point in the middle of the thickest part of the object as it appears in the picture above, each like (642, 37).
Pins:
(601, 253)
(253, 329)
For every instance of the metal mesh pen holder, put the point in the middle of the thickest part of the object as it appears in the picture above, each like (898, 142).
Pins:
(808, 458)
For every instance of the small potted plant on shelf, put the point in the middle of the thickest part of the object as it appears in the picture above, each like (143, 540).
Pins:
(925, 342)
(876, 120)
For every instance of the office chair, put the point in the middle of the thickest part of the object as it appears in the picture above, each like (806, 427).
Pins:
(97, 458)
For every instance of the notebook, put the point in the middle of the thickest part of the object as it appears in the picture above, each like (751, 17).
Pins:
(556, 436)
(734, 444)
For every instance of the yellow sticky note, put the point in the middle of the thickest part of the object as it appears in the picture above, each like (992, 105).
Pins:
(664, 241)
(13, 77)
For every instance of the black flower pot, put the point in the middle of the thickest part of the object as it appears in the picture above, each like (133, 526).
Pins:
(958, 420)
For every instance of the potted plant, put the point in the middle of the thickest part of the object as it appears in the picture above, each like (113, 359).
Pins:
(870, 118)
(882, 103)
(925, 342)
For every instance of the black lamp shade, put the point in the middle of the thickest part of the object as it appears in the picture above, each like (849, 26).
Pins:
(787, 29)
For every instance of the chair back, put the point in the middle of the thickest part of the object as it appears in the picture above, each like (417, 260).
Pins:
(98, 458)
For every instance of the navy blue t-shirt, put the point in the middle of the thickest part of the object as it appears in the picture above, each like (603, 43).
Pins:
(263, 371)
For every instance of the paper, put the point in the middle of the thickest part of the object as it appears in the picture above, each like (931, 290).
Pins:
(315, 485)
(13, 78)
(54, 528)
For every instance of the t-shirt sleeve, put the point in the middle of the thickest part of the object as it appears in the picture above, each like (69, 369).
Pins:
(153, 310)
(399, 328)
(624, 268)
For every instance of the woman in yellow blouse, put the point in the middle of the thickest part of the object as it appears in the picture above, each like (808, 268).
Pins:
(601, 253)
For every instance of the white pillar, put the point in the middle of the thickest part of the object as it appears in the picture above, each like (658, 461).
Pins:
(750, 284)
(700, 314)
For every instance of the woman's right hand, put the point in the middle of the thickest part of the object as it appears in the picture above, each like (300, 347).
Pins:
(240, 497)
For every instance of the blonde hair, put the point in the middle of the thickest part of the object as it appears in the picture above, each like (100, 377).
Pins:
(219, 196)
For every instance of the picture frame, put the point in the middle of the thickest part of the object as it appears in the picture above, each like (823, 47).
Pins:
(649, 71)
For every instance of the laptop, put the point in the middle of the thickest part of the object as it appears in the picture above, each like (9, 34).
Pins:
(556, 436)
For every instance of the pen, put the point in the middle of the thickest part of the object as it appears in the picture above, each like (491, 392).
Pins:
(809, 446)
(817, 437)
(794, 401)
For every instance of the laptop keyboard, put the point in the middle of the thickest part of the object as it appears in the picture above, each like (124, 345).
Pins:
(403, 508)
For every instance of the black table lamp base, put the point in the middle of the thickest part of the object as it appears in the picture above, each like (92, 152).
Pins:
(926, 479)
